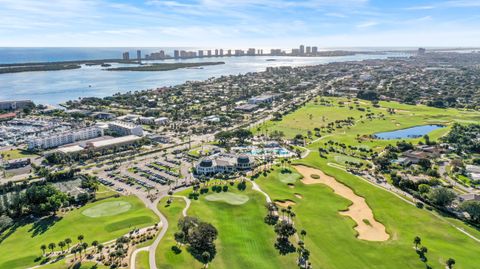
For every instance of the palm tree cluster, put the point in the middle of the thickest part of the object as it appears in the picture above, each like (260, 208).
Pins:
(423, 250)
(284, 229)
(303, 253)
(79, 248)
(272, 215)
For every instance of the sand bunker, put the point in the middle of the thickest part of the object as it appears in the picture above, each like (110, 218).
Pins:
(284, 203)
(298, 195)
(367, 227)
(291, 186)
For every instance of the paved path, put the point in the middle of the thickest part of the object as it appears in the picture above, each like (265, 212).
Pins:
(187, 204)
(257, 188)
(133, 257)
(164, 224)
(153, 247)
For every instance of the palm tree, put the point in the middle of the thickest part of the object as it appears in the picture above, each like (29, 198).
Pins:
(80, 238)
(94, 244)
(85, 246)
(51, 246)
(43, 248)
(205, 258)
(417, 241)
(423, 251)
(74, 252)
(303, 233)
(99, 247)
(450, 262)
(61, 244)
(292, 215)
(283, 213)
(68, 241)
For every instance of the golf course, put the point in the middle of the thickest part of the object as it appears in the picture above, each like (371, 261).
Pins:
(332, 236)
(102, 221)
(350, 222)
(244, 240)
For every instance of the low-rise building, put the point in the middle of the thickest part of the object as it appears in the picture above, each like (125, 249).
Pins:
(262, 99)
(161, 121)
(247, 107)
(224, 163)
(469, 197)
(125, 128)
(15, 105)
(7, 116)
(113, 143)
(15, 164)
(55, 140)
(103, 115)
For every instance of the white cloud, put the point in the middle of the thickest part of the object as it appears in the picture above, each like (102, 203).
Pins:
(367, 24)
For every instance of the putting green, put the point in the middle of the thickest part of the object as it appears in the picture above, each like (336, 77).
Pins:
(289, 177)
(107, 209)
(228, 197)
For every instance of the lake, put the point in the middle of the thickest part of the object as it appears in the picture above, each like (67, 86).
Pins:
(55, 87)
(413, 132)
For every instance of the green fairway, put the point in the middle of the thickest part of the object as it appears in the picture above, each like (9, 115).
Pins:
(142, 260)
(16, 154)
(228, 197)
(107, 209)
(20, 245)
(331, 237)
(244, 240)
(313, 115)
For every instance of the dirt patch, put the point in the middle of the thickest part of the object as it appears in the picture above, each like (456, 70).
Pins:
(298, 195)
(285, 203)
(291, 186)
(367, 227)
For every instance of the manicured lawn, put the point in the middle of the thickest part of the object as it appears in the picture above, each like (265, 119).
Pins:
(227, 197)
(289, 176)
(315, 115)
(244, 240)
(20, 246)
(104, 192)
(16, 154)
(107, 209)
(142, 260)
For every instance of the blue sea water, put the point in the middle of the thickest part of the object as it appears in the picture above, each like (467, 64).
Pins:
(413, 132)
(55, 87)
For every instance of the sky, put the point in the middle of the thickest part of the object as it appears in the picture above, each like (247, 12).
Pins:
(239, 23)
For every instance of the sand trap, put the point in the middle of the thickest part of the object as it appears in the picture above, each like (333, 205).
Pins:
(367, 227)
(284, 203)
(291, 186)
(298, 195)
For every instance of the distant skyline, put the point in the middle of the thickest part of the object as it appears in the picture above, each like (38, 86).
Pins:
(239, 23)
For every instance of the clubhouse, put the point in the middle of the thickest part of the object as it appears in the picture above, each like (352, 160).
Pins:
(224, 163)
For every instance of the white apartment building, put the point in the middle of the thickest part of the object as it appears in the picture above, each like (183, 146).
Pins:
(55, 140)
(125, 128)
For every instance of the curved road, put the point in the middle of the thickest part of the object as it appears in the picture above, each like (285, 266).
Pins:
(164, 224)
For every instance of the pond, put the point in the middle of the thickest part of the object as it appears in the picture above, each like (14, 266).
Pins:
(413, 132)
